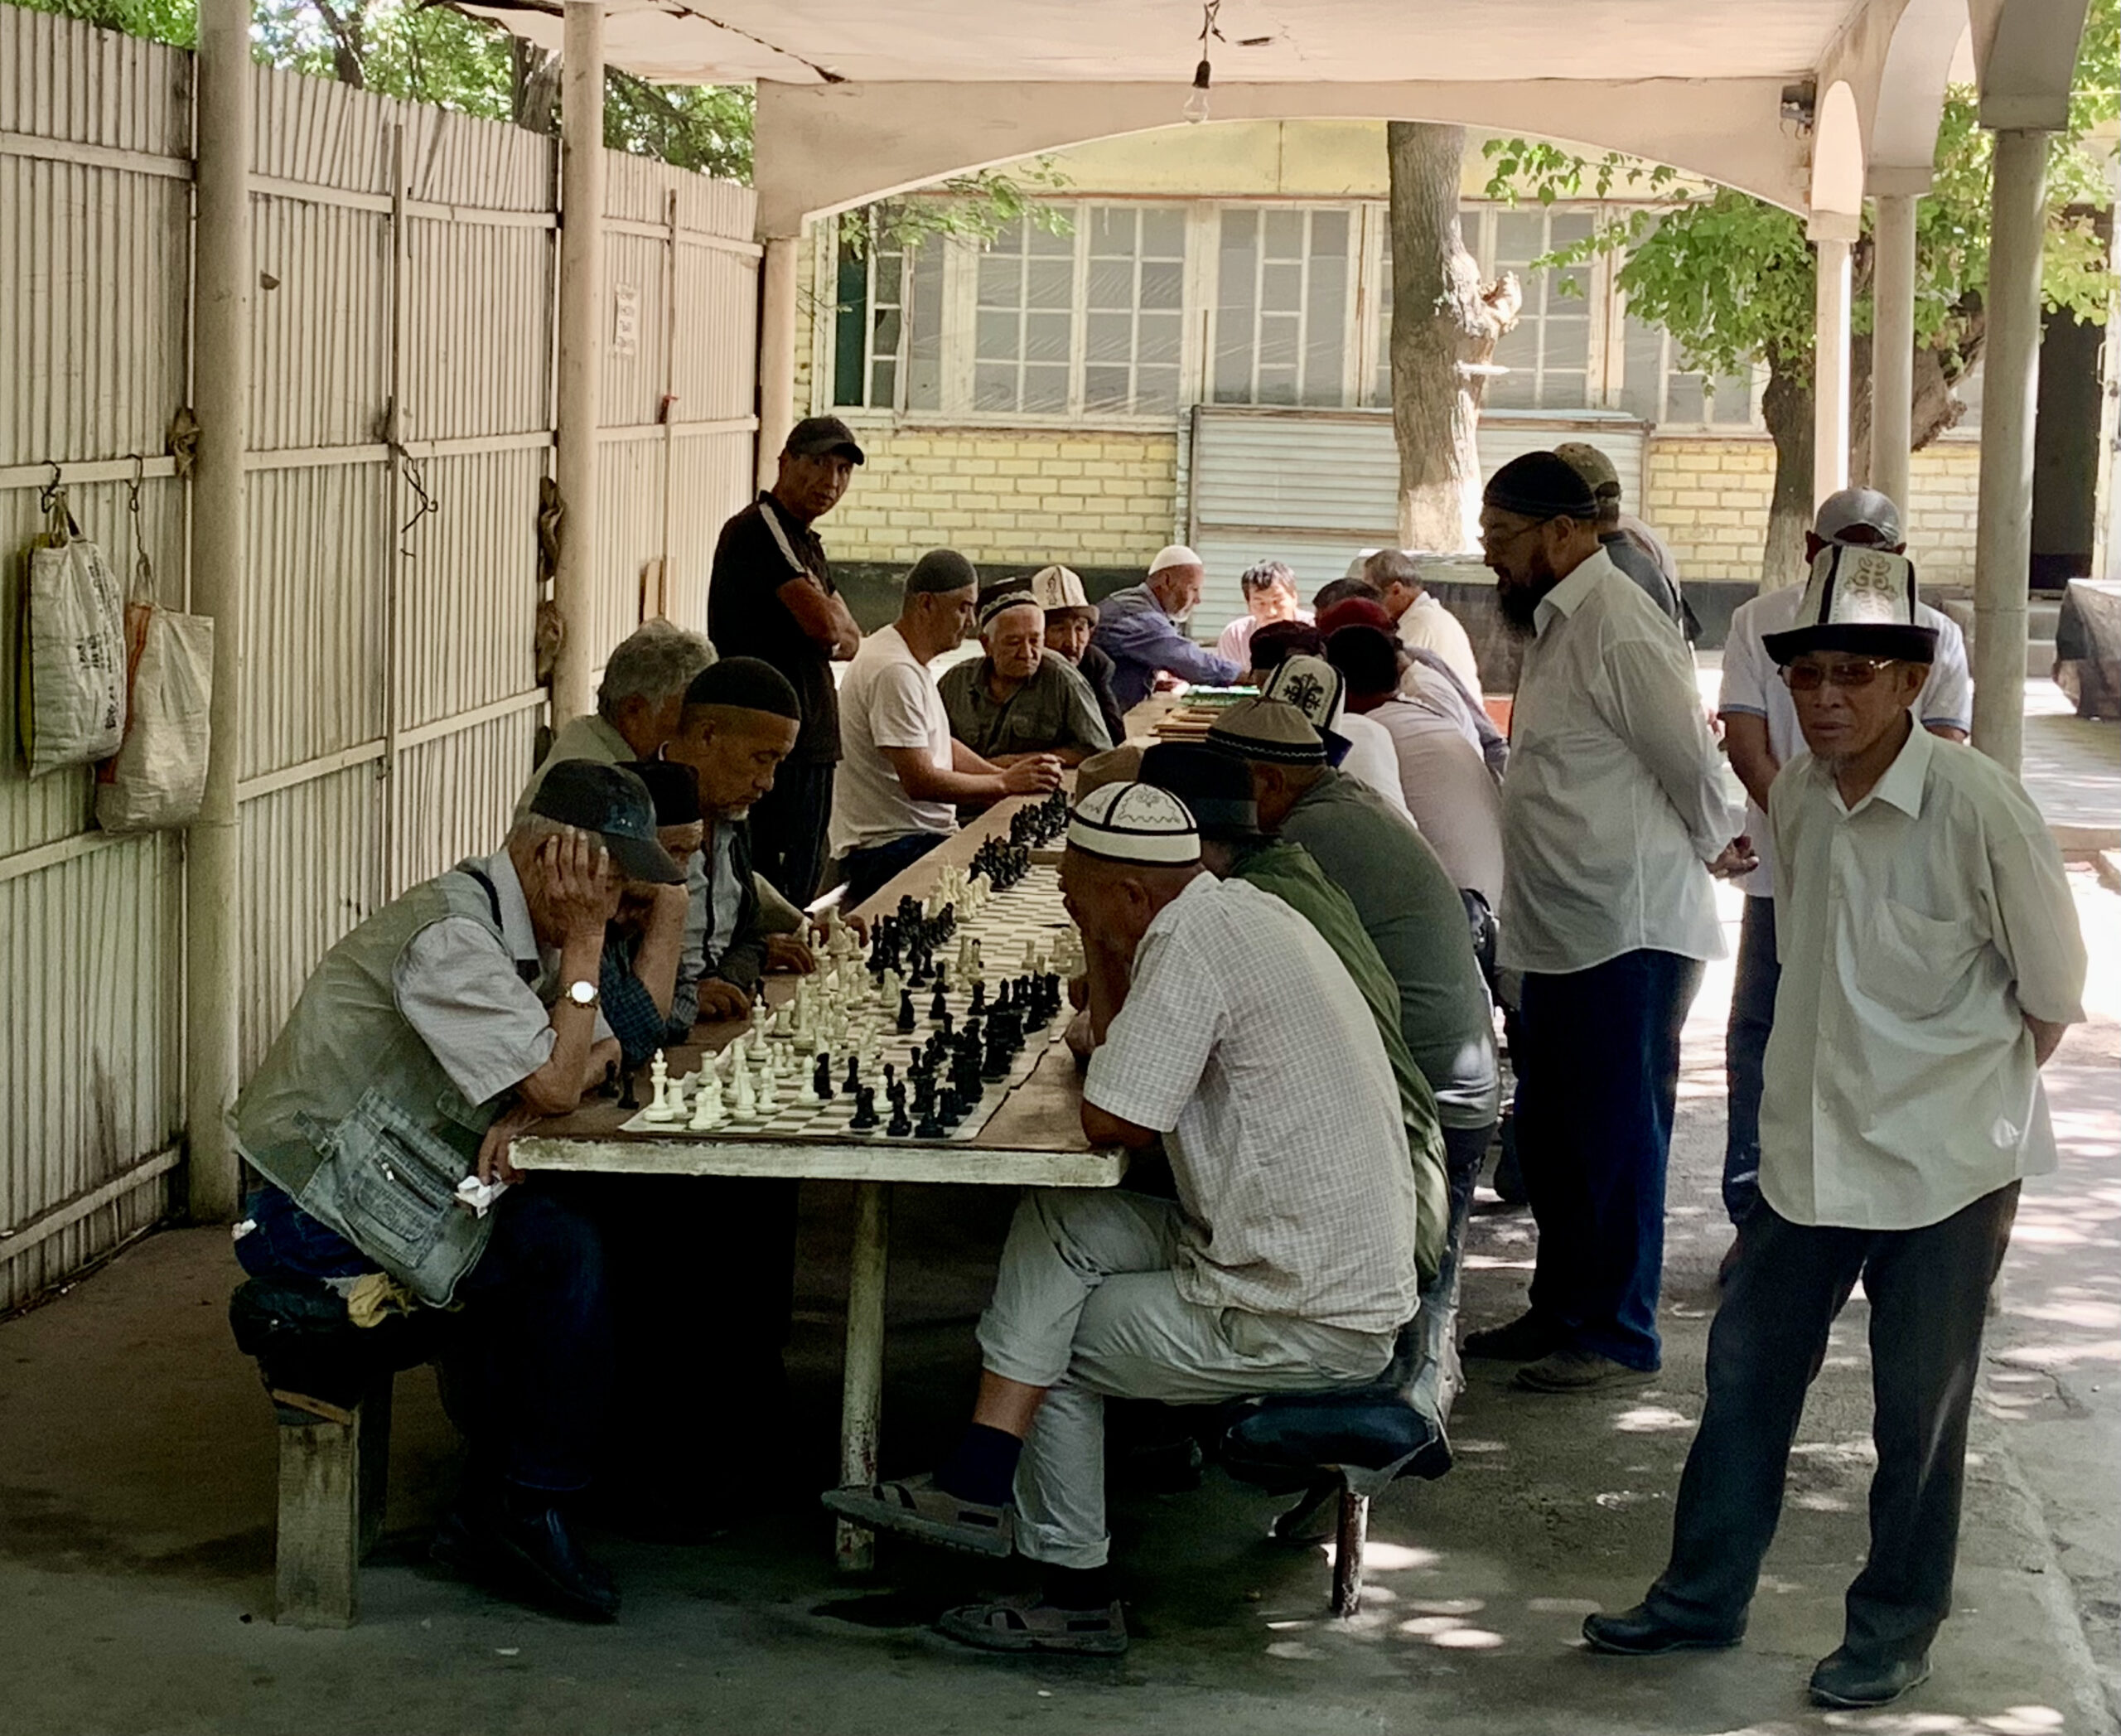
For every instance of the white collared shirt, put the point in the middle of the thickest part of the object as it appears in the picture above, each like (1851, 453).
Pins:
(1753, 687)
(1614, 799)
(1427, 624)
(1915, 930)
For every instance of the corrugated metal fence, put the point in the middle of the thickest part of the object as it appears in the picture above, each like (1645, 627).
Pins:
(402, 417)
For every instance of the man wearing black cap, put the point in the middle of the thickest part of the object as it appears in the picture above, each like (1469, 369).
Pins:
(904, 774)
(646, 1000)
(1613, 821)
(771, 595)
(1932, 961)
(422, 1044)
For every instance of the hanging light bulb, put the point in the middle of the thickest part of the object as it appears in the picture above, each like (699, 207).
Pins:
(1196, 102)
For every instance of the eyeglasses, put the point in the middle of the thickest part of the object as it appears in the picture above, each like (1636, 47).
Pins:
(1497, 537)
(1809, 677)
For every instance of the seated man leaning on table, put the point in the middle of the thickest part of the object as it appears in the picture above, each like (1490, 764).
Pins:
(901, 773)
(1070, 618)
(1021, 698)
(425, 1041)
(1226, 1028)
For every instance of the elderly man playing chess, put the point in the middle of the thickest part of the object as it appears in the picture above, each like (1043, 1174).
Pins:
(1227, 1029)
(1932, 961)
(440, 1029)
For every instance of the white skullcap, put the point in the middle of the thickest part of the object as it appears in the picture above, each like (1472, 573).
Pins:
(1134, 823)
(1177, 554)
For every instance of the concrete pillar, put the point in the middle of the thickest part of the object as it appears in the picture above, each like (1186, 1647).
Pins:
(1892, 347)
(213, 880)
(2010, 379)
(582, 354)
(1830, 361)
(776, 351)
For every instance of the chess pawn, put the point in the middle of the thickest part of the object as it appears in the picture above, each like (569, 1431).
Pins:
(746, 1106)
(769, 1092)
(707, 1107)
(978, 964)
(658, 1072)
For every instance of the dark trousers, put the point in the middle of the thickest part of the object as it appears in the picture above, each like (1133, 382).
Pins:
(788, 829)
(1928, 1295)
(1745, 1051)
(527, 1367)
(1465, 1149)
(1597, 1059)
(867, 871)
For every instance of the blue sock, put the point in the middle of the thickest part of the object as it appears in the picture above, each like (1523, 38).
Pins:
(982, 1468)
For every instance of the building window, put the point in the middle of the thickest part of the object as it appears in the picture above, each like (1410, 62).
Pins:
(1657, 385)
(887, 332)
(1284, 300)
(1024, 348)
(1134, 311)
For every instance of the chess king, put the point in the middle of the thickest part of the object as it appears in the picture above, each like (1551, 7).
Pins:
(423, 1043)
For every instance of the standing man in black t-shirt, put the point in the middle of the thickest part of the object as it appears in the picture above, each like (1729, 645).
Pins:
(771, 596)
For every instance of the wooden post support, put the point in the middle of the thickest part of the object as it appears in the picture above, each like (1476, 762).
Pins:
(1347, 1552)
(863, 1390)
(317, 1550)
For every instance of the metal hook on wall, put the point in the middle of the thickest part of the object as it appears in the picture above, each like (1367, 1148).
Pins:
(54, 489)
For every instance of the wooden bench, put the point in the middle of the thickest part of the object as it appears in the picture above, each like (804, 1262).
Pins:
(331, 1385)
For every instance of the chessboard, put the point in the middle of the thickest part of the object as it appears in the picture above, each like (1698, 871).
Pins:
(921, 1035)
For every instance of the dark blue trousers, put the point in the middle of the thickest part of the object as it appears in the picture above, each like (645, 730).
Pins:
(1597, 1077)
(1745, 1051)
(527, 1369)
(1928, 1295)
(866, 871)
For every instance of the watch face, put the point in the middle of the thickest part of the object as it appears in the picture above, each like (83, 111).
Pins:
(582, 994)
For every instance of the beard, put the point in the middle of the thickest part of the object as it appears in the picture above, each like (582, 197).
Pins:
(1519, 598)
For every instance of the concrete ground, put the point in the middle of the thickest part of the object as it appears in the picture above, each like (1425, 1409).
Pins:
(136, 1489)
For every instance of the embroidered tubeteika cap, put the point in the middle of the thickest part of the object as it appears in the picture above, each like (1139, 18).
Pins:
(1269, 729)
(1134, 823)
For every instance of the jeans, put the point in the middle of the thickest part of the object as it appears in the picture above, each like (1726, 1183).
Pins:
(1929, 1294)
(1745, 1048)
(1086, 1304)
(527, 1367)
(866, 871)
(788, 829)
(1597, 1077)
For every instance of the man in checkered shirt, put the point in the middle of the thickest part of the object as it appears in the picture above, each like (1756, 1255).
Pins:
(1228, 1029)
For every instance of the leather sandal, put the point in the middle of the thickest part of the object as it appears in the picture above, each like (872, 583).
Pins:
(1029, 1623)
(917, 1508)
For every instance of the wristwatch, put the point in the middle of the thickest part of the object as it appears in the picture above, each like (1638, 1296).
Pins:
(581, 992)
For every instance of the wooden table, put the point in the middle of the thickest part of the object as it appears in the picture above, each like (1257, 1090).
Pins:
(1032, 1139)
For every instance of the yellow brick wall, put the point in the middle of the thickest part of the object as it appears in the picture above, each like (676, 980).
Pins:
(1011, 496)
(1708, 499)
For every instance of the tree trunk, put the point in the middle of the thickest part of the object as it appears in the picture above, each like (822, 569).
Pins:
(537, 81)
(1785, 405)
(1937, 408)
(1444, 325)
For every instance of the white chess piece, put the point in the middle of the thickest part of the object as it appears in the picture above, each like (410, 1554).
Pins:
(658, 1072)
(745, 1104)
(769, 1093)
(978, 964)
(707, 1107)
(1030, 955)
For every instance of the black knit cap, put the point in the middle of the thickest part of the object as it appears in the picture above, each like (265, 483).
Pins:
(674, 790)
(941, 569)
(745, 683)
(1539, 486)
(1216, 785)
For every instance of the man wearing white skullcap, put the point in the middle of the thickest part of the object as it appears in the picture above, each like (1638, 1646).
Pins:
(1229, 1029)
(1138, 628)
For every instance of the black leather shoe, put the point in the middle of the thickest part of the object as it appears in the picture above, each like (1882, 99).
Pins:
(521, 1546)
(1525, 1339)
(1845, 1680)
(1637, 1633)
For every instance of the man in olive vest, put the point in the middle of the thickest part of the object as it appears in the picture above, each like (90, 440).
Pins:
(422, 1045)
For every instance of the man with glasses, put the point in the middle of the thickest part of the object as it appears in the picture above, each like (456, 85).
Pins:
(1613, 820)
(1760, 733)
(1932, 961)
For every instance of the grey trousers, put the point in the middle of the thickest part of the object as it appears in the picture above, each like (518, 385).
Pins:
(1929, 1292)
(1086, 1303)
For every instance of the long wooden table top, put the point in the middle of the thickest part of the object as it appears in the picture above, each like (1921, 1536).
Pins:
(1032, 1137)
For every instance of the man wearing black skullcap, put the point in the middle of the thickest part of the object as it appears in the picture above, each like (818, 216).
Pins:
(904, 774)
(1613, 821)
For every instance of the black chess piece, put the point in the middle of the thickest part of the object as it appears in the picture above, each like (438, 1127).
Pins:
(906, 1015)
(852, 1082)
(865, 1109)
(948, 1022)
(939, 1006)
(978, 998)
(629, 1099)
(821, 1078)
(899, 1126)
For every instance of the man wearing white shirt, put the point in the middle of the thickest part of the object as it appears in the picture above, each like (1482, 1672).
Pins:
(903, 775)
(1269, 589)
(1422, 623)
(1932, 961)
(1759, 732)
(1613, 820)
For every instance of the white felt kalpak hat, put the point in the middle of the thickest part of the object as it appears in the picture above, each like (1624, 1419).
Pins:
(1059, 587)
(1313, 686)
(1860, 601)
(1136, 823)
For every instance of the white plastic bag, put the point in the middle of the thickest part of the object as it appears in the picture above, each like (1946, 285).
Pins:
(71, 684)
(159, 776)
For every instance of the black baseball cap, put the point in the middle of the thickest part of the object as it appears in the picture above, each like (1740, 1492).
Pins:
(614, 804)
(815, 436)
